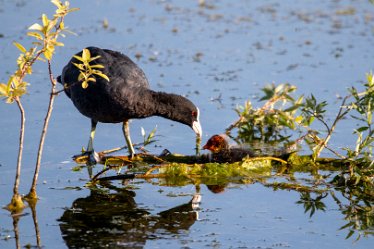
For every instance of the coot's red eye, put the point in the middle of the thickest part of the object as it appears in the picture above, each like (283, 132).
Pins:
(194, 114)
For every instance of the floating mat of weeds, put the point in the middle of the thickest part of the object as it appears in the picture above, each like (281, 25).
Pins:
(247, 167)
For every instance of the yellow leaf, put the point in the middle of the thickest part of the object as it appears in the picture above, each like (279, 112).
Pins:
(36, 26)
(97, 66)
(78, 57)
(101, 75)
(57, 3)
(73, 9)
(3, 90)
(86, 55)
(9, 100)
(20, 47)
(19, 92)
(48, 54)
(91, 79)
(81, 76)
(45, 20)
(80, 66)
(36, 35)
(94, 58)
(299, 119)
(59, 44)
(62, 25)
(84, 84)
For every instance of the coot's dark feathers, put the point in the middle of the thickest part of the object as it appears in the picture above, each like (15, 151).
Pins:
(127, 80)
(126, 96)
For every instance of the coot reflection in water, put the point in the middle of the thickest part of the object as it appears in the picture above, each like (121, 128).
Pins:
(107, 220)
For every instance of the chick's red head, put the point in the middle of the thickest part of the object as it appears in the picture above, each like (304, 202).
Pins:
(216, 144)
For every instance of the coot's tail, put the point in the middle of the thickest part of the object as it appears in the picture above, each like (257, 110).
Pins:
(59, 79)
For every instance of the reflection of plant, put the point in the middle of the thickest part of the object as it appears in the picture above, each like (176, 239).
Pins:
(46, 35)
(312, 204)
(87, 71)
(359, 211)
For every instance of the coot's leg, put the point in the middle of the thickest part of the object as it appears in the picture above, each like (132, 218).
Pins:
(126, 133)
(92, 136)
(93, 156)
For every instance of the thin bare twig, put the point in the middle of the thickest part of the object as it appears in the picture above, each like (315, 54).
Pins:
(20, 150)
(32, 192)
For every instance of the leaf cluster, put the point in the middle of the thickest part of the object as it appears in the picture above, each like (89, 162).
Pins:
(269, 122)
(46, 35)
(87, 70)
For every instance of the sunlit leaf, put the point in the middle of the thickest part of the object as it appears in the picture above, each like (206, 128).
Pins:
(36, 35)
(3, 90)
(102, 75)
(57, 3)
(20, 47)
(36, 26)
(9, 100)
(60, 44)
(84, 84)
(97, 66)
(73, 9)
(62, 25)
(45, 20)
(48, 54)
(78, 58)
(86, 55)
(94, 58)
(91, 79)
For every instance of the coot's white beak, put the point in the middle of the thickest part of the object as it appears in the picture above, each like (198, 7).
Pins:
(197, 128)
(196, 125)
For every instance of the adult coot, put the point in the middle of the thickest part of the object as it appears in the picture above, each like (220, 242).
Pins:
(126, 96)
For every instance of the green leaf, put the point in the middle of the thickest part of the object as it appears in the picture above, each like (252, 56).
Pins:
(36, 26)
(20, 47)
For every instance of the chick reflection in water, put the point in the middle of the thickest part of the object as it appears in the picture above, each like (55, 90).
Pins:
(110, 218)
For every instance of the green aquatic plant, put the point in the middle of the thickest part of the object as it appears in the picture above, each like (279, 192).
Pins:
(270, 122)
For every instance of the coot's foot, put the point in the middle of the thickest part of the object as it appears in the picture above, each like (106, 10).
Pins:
(93, 157)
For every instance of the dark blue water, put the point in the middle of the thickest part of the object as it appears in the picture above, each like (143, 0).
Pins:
(229, 49)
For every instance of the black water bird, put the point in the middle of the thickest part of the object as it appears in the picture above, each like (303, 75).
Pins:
(126, 96)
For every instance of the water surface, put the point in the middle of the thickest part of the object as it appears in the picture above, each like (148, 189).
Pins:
(226, 50)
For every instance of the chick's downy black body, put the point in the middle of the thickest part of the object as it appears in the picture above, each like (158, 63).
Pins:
(126, 96)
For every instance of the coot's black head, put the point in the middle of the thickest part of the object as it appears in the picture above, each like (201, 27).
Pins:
(190, 115)
(180, 109)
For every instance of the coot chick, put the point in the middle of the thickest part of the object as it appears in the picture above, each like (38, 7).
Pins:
(126, 96)
(223, 152)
